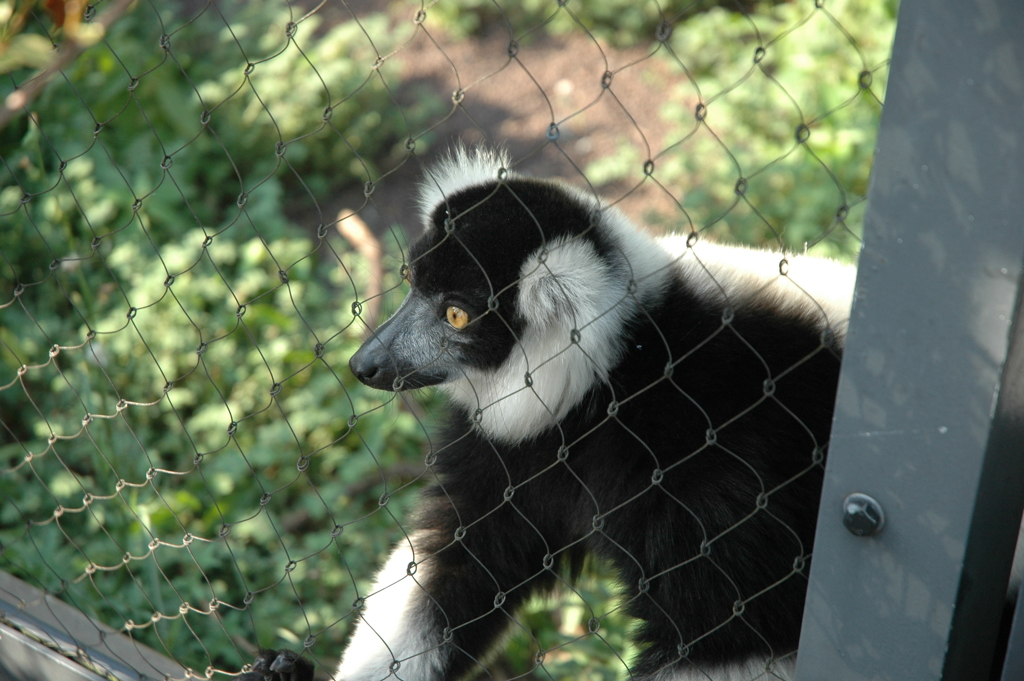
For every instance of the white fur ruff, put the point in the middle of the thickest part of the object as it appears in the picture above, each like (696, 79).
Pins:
(730, 275)
(395, 626)
(576, 304)
(752, 670)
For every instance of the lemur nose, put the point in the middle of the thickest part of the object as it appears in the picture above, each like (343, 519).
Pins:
(363, 366)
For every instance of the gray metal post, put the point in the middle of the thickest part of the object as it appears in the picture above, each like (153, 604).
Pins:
(921, 423)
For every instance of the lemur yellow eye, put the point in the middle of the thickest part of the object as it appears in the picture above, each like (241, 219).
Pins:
(406, 273)
(458, 317)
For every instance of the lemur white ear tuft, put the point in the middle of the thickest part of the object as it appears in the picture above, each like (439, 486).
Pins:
(460, 169)
(562, 284)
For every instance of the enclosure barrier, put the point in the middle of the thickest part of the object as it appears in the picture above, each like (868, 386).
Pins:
(929, 413)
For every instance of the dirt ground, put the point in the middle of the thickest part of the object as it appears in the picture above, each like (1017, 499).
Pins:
(601, 98)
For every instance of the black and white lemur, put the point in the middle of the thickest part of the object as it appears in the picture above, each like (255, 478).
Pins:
(661, 403)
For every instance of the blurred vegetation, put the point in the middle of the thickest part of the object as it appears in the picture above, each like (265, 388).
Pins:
(200, 393)
(155, 237)
(21, 48)
(800, 125)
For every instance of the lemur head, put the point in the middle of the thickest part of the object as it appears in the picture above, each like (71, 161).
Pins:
(519, 289)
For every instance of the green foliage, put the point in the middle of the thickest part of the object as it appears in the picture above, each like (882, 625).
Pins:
(251, 410)
(22, 44)
(587, 638)
(774, 137)
(184, 340)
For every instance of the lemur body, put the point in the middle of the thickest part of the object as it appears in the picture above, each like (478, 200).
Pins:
(663, 404)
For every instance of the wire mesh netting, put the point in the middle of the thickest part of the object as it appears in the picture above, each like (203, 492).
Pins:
(210, 206)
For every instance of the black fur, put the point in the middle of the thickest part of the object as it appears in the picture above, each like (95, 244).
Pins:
(699, 529)
(271, 665)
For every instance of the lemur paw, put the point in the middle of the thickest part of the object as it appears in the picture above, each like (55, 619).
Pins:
(284, 665)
